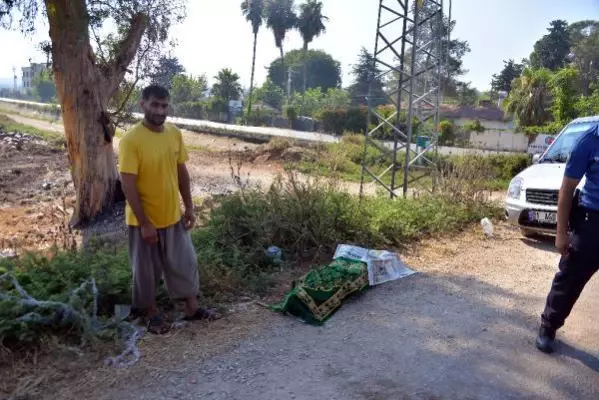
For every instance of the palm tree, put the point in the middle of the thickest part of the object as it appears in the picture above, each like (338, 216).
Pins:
(311, 25)
(253, 10)
(530, 98)
(227, 85)
(281, 18)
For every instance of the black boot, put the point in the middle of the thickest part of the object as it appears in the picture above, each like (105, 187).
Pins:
(546, 340)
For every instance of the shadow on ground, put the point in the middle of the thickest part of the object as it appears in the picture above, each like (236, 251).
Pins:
(545, 243)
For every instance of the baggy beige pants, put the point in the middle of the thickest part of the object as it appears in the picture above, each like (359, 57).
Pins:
(173, 256)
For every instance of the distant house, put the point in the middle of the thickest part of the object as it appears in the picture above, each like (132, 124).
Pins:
(29, 74)
(499, 133)
(491, 117)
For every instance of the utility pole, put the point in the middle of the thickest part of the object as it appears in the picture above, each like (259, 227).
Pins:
(14, 73)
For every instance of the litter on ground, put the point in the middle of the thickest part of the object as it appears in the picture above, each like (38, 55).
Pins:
(317, 295)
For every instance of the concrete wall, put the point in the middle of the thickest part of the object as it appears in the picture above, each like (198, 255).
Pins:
(498, 136)
(499, 140)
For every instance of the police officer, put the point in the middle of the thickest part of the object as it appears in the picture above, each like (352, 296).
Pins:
(579, 249)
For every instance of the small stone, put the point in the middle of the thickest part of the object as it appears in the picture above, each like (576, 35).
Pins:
(47, 186)
(7, 253)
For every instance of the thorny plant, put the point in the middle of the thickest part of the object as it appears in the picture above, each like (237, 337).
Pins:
(66, 238)
(466, 179)
(235, 167)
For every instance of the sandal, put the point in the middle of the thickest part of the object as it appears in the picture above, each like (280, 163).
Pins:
(157, 325)
(203, 314)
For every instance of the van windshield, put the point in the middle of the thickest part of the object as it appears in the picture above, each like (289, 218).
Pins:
(562, 147)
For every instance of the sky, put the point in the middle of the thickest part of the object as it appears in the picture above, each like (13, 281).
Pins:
(215, 35)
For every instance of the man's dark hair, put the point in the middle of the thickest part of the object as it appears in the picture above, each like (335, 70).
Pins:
(156, 91)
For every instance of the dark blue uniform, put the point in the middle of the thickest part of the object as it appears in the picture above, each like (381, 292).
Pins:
(582, 261)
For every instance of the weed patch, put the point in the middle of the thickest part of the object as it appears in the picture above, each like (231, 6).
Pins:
(306, 219)
(7, 124)
(344, 160)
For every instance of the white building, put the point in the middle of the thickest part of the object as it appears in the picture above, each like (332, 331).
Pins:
(30, 72)
(499, 131)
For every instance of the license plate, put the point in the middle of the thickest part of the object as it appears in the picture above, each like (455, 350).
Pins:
(543, 217)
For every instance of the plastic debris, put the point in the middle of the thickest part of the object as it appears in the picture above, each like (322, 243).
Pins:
(275, 255)
(487, 227)
(383, 266)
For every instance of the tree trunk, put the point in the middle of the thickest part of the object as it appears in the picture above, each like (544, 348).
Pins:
(284, 72)
(84, 92)
(252, 79)
(305, 74)
(305, 67)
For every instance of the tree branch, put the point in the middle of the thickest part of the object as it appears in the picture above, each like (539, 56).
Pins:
(127, 50)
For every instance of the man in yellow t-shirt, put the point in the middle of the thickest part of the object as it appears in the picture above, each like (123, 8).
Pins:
(152, 159)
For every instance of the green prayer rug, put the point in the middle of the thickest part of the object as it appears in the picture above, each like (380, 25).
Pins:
(318, 294)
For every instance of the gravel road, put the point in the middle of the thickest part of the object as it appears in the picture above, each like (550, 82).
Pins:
(462, 328)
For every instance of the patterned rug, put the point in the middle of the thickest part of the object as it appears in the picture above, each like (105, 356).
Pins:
(317, 295)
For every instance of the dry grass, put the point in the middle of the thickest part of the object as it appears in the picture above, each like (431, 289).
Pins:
(466, 180)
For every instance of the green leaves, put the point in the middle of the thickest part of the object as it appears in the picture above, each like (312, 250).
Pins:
(310, 21)
(253, 10)
(227, 86)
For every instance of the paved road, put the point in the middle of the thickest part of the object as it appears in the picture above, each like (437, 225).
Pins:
(462, 328)
(273, 132)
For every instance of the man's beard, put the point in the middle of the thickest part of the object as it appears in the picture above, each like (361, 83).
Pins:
(156, 120)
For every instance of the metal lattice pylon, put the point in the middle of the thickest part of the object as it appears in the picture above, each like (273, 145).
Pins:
(409, 48)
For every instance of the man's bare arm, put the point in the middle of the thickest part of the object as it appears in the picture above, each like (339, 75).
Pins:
(564, 205)
(185, 186)
(129, 187)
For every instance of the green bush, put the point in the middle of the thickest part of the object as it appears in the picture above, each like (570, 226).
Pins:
(474, 126)
(333, 120)
(499, 168)
(344, 159)
(306, 219)
(192, 109)
(291, 113)
(54, 277)
(355, 119)
(448, 132)
(337, 120)
(259, 117)
(218, 105)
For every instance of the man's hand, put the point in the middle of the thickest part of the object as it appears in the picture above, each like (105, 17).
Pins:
(562, 242)
(149, 233)
(189, 219)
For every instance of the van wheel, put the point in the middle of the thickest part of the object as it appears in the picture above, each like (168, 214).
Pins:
(528, 233)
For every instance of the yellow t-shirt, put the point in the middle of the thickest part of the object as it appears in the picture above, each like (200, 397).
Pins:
(153, 157)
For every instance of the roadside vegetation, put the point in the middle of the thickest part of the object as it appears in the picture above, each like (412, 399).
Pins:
(305, 218)
(344, 160)
(8, 125)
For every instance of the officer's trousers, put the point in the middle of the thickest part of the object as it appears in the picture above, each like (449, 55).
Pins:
(575, 269)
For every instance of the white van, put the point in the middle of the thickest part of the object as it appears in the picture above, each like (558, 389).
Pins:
(531, 201)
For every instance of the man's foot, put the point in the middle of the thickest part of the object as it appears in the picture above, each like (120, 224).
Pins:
(546, 340)
(158, 325)
(203, 314)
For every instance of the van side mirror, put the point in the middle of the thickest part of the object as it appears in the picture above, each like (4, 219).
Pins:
(536, 158)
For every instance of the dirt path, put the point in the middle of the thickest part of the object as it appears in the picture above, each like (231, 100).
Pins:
(36, 123)
(211, 173)
(462, 328)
